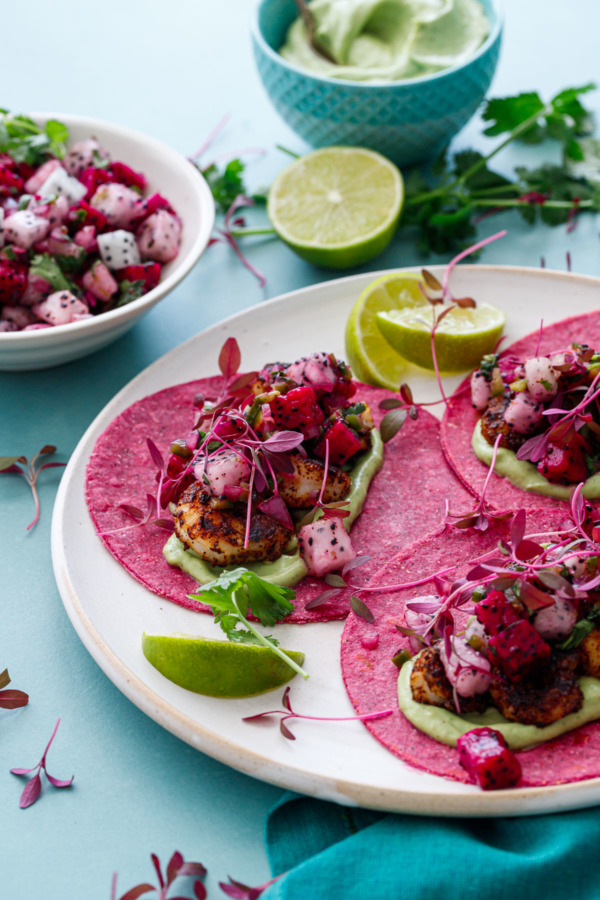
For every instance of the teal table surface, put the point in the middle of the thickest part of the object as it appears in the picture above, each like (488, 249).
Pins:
(173, 71)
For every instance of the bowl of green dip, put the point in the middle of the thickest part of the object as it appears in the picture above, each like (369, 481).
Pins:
(407, 76)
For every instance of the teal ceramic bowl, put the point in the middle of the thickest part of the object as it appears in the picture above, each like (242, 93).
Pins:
(408, 121)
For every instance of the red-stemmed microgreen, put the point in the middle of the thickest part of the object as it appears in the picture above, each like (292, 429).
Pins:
(176, 868)
(33, 788)
(238, 891)
(288, 713)
(11, 699)
(482, 515)
(30, 472)
(225, 235)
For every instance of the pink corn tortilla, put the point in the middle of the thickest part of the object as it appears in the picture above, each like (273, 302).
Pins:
(406, 499)
(460, 417)
(371, 678)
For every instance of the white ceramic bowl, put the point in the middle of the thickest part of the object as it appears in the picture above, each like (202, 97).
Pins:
(168, 173)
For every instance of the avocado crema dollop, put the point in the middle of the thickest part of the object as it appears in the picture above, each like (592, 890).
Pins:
(387, 40)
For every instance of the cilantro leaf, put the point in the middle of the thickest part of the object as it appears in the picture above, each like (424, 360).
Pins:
(506, 113)
(45, 266)
(226, 185)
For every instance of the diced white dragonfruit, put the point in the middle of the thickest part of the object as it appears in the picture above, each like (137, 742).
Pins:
(466, 669)
(325, 546)
(82, 155)
(224, 470)
(118, 249)
(33, 184)
(117, 202)
(25, 229)
(60, 308)
(7, 326)
(37, 288)
(523, 413)
(481, 390)
(159, 237)
(99, 282)
(20, 315)
(416, 621)
(542, 382)
(54, 209)
(315, 370)
(63, 184)
(556, 621)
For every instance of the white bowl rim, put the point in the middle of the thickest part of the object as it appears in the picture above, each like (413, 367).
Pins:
(495, 32)
(57, 332)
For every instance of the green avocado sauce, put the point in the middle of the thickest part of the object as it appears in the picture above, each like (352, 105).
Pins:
(446, 727)
(289, 569)
(387, 40)
(524, 474)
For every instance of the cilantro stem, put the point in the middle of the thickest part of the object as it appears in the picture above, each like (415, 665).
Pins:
(265, 640)
(547, 204)
(244, 232)
(286, 150)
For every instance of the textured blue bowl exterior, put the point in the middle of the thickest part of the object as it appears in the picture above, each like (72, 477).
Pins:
(408, 122)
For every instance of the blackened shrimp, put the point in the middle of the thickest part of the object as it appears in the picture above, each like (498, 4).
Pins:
(300, 490)
(217, 533)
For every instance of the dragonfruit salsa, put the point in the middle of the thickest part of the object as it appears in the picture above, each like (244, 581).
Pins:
(78, 234)
(273, 473)
(543, 412)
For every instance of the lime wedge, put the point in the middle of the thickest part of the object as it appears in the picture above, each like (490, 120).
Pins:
(337, 207)
(369, 354)
(452, 38)
(462, 338)
(217, 668)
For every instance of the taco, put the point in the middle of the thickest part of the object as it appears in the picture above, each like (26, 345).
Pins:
(405, 499)
(457, 669)
(539, 400)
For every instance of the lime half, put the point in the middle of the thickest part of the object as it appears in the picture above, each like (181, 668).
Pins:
(217, 668)
(463, 336)
(372, 359)
(337, 207)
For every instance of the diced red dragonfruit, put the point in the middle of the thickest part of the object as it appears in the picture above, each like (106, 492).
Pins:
(564, 462)
(92, 178)
(11, 182)
(33, 184)
(126, 175)
(298, 410)
(149, 205)
(20, 315)
(223, 470)
(61, 183)
(13, 281)
(86, 238)
(518, 650)
(343, 443)
(117, 202)
(325, 546)
(149, 273)
(159, 237)
(99, 282)
(483, 752)
(83, 215)
(25, 229)
(496, 612)
(82, 155)
(118, 249)
(60, 308)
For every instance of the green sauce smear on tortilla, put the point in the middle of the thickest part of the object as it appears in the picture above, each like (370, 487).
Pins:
(524, 474)
(387, 40)
(289, 569)
(446, 727)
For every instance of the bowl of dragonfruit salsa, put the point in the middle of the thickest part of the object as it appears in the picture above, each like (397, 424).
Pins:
(97, 224)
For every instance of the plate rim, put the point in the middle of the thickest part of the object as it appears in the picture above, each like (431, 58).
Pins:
(530, 800)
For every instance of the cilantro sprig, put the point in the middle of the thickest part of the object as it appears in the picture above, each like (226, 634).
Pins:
(239, 592)
(446, 207)
(26, 142)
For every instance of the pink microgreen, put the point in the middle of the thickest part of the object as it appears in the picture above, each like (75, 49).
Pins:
(289, 713)
(33, 787)
(19, 465)
(391, 424)
(361, 609)
(11, 699)
(238, 891)
(355, 563)
(230, 358)
(276, 508)
(176, 868)
(324, 597)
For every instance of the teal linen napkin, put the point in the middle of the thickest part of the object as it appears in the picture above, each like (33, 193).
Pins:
(329, 852)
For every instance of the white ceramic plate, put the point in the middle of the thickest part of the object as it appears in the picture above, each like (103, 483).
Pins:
(109, 610)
